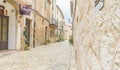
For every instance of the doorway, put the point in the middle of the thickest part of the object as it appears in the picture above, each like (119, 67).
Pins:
(4, 32)
(45, 33)
(27, 32)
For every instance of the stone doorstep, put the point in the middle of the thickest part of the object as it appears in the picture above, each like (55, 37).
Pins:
(7, 52)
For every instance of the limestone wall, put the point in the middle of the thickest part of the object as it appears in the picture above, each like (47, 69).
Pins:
(97, 35)
(41, 25)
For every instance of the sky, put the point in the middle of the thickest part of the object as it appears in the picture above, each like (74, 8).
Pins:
(65, 7)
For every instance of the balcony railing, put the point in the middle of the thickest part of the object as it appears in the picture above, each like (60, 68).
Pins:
(53, 22)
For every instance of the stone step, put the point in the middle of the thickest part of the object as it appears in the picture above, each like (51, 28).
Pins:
(7, 52)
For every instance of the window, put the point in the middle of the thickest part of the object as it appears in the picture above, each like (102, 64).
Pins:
(99, 4)
(42, 22)
(96, 2)
(52, 18)
(2, 10)
(50, 33)
(57, 21)
(52, 4)
(45, 4)
(102, 2)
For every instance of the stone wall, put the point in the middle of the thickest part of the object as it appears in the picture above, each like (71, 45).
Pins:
(97, 35)
(41, 22)
(39, 34)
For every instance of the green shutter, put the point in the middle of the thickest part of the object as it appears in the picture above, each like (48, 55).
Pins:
(44, 4)
(52, 4)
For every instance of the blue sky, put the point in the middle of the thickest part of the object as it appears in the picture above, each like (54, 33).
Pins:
(65, 7)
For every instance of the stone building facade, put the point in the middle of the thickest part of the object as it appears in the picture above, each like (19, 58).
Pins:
(60, 23)
(97, 34)
(42, 21)
(67, 31)
(27, 23)
(53, 23)
(6, 18)
(16, 27)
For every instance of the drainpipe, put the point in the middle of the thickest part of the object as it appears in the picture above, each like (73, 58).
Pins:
(34, 38)
(74, 19)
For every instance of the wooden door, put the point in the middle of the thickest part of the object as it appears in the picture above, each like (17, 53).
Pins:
(3, 32)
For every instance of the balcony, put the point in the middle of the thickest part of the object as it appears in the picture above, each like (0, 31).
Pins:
(53, 23)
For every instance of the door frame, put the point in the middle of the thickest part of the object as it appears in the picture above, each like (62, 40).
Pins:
(28, 26)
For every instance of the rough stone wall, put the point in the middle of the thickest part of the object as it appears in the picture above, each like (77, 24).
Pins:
(41, 23)
(22, 24)
(97, 36)
(52, 36)
(39, 30)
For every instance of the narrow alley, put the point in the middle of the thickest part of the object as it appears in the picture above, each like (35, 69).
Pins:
(57, 56)
(59, 34)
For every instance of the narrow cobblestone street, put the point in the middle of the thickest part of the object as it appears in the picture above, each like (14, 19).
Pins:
(57, 56)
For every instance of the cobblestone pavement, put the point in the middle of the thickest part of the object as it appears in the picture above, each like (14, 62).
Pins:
(57, 56)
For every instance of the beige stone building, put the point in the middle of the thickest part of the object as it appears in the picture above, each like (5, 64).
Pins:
(97, 34)
(26, 23)
(16, 24)
(46, 21)
(60, 23)
(42, 21)
(53, 23)
(67, 31)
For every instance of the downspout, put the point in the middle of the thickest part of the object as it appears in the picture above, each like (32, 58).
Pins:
(74, 19)
(34, 38)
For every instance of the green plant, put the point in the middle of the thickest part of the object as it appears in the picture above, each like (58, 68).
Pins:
(26, 48)
(59, 39)
(71, 40)
(46, 42)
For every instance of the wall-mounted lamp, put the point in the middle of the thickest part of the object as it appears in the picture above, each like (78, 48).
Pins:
(4, 1)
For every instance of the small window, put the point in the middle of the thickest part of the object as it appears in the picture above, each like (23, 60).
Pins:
(52, 4)
(45, 4)
(102, 2)
(50, 33)
(2, 10)
(99, 4)
(96, 2)
(42, 22)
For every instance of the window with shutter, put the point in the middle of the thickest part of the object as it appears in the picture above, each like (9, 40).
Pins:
(2, 10)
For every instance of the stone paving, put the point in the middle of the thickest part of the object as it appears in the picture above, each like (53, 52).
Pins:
(58, 56)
